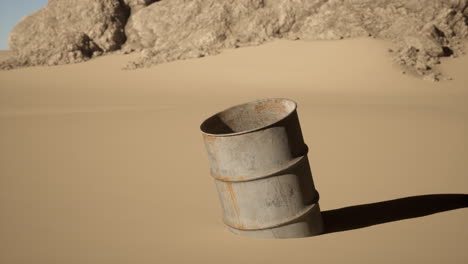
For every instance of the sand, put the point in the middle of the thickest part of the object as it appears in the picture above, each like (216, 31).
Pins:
(100, 165)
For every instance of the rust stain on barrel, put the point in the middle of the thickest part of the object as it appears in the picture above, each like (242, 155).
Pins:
(228, 179)
(269, 106)
(209, 139)
(234, 200)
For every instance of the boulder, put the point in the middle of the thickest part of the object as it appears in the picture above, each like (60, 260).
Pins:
(68, 31)
(179, 29)
(136, 5)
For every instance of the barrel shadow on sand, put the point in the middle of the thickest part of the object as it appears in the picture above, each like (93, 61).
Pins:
(364, 215)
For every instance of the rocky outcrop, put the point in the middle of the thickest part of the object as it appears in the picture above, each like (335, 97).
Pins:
(178, 29)
(422, 30)
(162, 31)
(136, 5)
(68, 31)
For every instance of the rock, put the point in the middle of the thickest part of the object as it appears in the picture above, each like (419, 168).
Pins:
(161, 31)
(136, 5)
(439, 36)
(422, 30)
(179, 29)
(68, 31)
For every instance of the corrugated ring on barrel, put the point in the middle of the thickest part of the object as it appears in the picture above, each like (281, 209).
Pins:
(290, 219)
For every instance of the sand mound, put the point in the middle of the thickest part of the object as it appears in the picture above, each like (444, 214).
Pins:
(422, 30)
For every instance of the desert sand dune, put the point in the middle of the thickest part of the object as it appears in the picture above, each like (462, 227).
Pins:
(102, 165)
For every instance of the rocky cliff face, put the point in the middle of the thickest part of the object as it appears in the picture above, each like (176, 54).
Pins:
(68, 31)
(73, 30)
(136, 5)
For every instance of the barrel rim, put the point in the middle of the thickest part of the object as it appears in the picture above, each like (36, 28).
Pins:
(250, 130)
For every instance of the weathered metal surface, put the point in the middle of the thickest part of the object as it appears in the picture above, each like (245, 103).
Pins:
(259, 162)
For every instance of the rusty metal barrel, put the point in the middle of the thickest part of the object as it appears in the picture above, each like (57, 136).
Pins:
(258, 160)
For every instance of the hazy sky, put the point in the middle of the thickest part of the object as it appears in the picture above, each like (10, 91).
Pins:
(11, 12)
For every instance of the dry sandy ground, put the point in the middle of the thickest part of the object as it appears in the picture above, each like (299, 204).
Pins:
(100, 165)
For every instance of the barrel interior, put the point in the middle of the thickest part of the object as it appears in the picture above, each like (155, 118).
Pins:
(249, 116)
